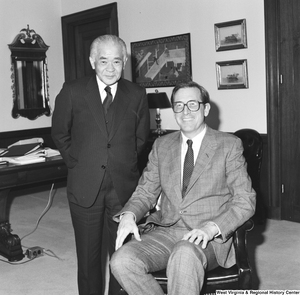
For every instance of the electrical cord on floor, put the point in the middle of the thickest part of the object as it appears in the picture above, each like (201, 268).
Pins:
(18, 262)
(48, 206)
(51, 254)
(45, 251)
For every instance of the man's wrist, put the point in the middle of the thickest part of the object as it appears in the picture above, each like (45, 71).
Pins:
(213, 228)
(127, 213)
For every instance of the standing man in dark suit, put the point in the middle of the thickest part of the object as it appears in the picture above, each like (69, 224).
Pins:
(206, 194)
(100, 132)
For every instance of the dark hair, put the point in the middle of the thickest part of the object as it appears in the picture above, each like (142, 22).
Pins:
(204, 95)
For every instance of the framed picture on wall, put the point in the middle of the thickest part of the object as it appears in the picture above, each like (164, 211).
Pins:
(161, 62)
(231, 35)
(232, 74)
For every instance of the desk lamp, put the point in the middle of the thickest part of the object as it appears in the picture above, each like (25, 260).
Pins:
(158, 100)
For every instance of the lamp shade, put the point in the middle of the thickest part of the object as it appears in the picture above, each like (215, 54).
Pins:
(158, 100)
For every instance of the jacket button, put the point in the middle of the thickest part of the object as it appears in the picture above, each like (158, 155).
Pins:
(108, 145)
(180, 212)
(103, 166)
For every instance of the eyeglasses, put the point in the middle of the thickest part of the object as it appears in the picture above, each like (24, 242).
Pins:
(192, 105)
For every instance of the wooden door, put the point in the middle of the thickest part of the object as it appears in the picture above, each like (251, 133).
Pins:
(290, 108)
(79, 30)
(282, 30)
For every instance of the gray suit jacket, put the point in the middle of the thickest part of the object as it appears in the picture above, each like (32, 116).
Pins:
(220, 189)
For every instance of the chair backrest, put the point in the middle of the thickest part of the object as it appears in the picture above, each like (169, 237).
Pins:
(253, 150)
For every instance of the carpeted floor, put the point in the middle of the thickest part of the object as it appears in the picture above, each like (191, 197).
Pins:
(274, 254)
(273, 249)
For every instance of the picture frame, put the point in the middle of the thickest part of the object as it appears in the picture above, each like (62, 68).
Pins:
(232, 74)
(161, 62)
(231, 35)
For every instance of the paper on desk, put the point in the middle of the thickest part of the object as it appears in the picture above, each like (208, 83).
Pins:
(43, 152)
(34, 157)
(28, 141)
(28, 159)
(21, 150)
(2, 150)
(22, 147)
(51, 152)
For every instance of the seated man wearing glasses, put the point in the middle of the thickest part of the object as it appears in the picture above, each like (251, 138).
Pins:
(206, 194)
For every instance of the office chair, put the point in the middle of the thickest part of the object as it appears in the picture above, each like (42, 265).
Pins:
(253, 153)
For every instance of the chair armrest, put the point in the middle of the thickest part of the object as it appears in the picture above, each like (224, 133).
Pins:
(240, 245)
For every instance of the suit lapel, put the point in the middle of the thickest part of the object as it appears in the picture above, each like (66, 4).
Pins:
(207, 150)
(93, 100)
(121, 103)
(175, 164)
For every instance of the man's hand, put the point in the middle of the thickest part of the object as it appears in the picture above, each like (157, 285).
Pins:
(127, 226)
(205, 234)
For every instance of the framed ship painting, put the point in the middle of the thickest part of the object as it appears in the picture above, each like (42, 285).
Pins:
(232, 74)
(231, 35)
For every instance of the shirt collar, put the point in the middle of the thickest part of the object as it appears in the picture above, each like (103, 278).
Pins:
(102, 86)
(197, 139)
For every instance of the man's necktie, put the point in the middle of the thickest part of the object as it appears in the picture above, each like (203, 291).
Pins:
(108, 99)
(188, 166)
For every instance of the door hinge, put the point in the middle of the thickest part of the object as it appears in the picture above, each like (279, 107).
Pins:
(282, 188)
(280, 79)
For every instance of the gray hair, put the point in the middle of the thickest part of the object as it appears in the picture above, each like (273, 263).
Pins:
(106, 39)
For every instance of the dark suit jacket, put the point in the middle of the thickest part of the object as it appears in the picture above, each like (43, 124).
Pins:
(219, 190)
(79, 132)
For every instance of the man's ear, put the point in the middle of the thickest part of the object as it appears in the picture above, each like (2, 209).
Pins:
(206, 109)
(124, 62)
(92, 62)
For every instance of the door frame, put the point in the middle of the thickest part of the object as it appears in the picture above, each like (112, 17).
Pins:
(69, 30)
(272, 45)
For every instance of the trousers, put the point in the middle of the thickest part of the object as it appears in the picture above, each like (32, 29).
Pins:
(161, 248)
(88, 224)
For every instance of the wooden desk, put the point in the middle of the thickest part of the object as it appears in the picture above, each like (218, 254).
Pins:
(12, 176)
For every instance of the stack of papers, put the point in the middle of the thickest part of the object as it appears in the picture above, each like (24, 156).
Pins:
(26, 153)
(23, 159)
(21, 150)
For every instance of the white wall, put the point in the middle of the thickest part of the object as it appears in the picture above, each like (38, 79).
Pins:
(146, 19)
(44, 17)
(143, 19)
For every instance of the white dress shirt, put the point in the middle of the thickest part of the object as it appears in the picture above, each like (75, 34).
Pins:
(102, 91)
(197, 141)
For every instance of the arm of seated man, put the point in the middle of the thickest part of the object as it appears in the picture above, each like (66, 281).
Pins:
(127, 226)
(207, 233)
